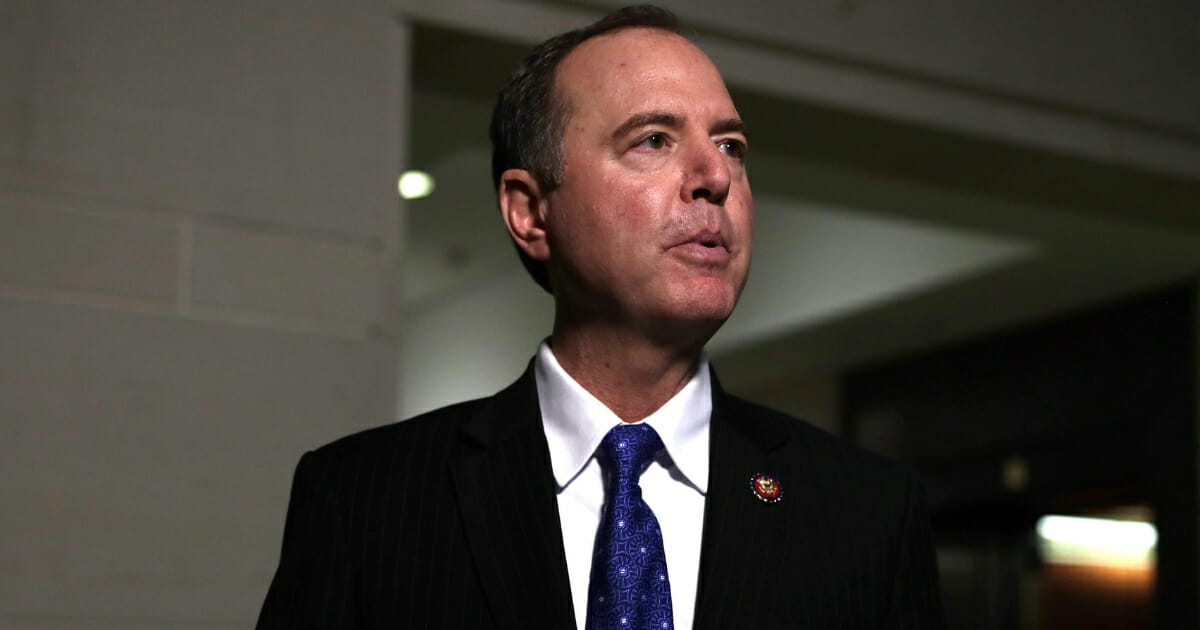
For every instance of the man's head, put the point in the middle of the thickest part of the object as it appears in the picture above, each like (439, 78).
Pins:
(529, 117)
(629, 197)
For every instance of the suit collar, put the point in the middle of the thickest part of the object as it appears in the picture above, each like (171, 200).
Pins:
(506, 495)
(512, 412)
(760, 431)
(739, 552)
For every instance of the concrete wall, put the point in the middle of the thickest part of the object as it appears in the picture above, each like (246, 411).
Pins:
(199, 238)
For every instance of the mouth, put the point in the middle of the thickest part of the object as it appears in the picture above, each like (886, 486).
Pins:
(707, 240)
(712, 242)
(707, 248)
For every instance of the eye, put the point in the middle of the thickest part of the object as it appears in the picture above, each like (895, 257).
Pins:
(654, 141)
(732, 147)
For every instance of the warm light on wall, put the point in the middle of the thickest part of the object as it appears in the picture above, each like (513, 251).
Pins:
(1097, 541)
(415, 184)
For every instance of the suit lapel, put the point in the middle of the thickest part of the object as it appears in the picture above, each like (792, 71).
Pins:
(506, 495)
(741, 550)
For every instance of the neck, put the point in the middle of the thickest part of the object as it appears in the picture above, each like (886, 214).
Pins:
(632, 376)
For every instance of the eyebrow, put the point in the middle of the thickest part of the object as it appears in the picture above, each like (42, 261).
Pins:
(731, 125)
(667, 119)
(643, 119)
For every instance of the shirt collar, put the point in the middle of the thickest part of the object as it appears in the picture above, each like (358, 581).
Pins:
(575, 421)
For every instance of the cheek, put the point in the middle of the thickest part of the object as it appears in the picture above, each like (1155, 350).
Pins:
(627, 208)
(744, 211)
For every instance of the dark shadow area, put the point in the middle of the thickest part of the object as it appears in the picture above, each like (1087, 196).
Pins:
(1086, 415)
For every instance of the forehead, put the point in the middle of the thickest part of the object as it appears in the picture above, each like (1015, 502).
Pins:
(639, 68)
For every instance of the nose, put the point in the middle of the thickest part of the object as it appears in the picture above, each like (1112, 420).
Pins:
(706, 173)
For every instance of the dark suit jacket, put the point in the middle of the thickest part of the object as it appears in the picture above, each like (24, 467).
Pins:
(449, 520)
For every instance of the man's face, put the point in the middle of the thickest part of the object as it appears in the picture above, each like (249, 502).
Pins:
(652, 223)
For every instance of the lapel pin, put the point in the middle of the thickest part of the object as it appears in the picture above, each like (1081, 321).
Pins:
(766, 488)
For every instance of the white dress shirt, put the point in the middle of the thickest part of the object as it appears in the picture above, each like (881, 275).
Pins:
(673, 486)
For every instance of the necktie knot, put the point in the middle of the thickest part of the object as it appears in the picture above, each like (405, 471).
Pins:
(627, 450)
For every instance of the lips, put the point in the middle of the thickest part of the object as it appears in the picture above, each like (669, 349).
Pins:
(705, 247)
(710, 240)
(706, 239)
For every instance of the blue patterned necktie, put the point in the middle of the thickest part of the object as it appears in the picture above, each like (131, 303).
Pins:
(629, 589)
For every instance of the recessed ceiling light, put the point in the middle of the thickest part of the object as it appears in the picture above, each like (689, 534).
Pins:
(1095, 541)
(415, 184)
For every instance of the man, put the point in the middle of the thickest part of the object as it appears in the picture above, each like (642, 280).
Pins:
(614, 484)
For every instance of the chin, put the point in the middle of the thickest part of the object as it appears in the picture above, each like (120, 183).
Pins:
(709, 297)
(703, 307)
(689, 330)
(692, 309)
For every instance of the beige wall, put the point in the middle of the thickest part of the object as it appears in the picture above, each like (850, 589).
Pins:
(198, 246)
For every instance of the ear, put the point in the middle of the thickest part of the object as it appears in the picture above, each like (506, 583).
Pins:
(523, 208)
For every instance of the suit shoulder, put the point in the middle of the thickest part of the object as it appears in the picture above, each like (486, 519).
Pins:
(832, 470)
(431, 430)
(803, 439)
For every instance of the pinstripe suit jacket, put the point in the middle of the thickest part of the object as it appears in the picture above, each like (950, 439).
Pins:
(449, 520)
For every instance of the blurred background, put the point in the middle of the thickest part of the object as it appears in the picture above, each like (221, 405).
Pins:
(978, 251)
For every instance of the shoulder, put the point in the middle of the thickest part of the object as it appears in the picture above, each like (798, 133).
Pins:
(428, 441)
(420, 437)
(826, 459)
(841, 491)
